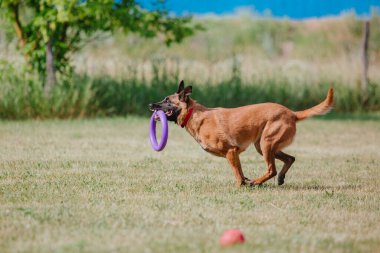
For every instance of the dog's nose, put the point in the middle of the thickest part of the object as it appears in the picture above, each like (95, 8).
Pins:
(151, 106)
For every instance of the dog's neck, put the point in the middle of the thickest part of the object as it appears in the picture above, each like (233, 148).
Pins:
(197, 110)
(184, 112)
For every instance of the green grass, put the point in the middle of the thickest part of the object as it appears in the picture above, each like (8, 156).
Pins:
(82, 96)
(97, 186)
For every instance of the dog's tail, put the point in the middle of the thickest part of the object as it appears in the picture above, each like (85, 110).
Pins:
(320, 109)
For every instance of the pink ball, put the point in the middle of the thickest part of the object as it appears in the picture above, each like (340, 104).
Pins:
(231, 237)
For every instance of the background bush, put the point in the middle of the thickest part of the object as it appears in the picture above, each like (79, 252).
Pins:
(262, 60)
(22, 96)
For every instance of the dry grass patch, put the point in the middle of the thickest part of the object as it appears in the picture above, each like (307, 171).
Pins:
(96, 186)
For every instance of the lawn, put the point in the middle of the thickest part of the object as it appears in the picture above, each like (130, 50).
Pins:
(97, 186)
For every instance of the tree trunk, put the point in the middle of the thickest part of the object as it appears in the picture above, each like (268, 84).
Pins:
(51, 79)
(14, 9)
(364, 79)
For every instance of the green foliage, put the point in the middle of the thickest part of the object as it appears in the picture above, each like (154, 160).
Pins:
(22, 96)
(271, 34)
(131, 97)
(317, 40)
(69, 24)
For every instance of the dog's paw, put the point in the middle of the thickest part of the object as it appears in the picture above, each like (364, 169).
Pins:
(281, 179)
(240, 183)
(243, 182)
(253, 183)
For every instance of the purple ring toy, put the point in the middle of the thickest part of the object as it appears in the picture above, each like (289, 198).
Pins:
(152, 131)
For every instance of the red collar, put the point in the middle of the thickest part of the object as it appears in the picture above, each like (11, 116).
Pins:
(188, 115)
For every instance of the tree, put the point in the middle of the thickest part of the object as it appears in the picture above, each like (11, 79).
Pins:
(48, 31)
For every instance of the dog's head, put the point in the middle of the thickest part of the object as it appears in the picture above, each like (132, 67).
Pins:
(172, 105)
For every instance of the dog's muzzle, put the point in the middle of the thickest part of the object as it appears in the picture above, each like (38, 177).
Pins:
(153, 107)
(156, 107)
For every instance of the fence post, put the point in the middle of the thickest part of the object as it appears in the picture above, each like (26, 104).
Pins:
(364, 49)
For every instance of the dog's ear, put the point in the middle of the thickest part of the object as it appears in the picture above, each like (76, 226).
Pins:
(185, 94)
(181, 87)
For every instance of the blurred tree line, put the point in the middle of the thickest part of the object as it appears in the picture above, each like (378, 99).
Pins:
(49, 31)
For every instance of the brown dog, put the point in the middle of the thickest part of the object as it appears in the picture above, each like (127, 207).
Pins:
(228, 132)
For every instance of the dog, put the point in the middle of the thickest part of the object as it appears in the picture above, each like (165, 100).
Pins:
(227, 132)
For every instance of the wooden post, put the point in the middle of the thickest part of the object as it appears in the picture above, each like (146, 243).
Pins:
(50, 68)
(364, 79)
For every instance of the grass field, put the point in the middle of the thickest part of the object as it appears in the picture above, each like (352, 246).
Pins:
(97, 186)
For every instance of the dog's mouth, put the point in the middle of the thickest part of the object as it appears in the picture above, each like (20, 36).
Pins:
(168, 113)
(171, 112)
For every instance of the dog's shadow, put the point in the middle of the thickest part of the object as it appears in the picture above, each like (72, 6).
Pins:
(308, 187)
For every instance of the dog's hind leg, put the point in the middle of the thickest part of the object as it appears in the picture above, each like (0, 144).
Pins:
(234, 161)
(275, 137)
(268, 154)
(288, 161)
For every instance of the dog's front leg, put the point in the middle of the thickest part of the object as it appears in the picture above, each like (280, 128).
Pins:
(234, 161)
